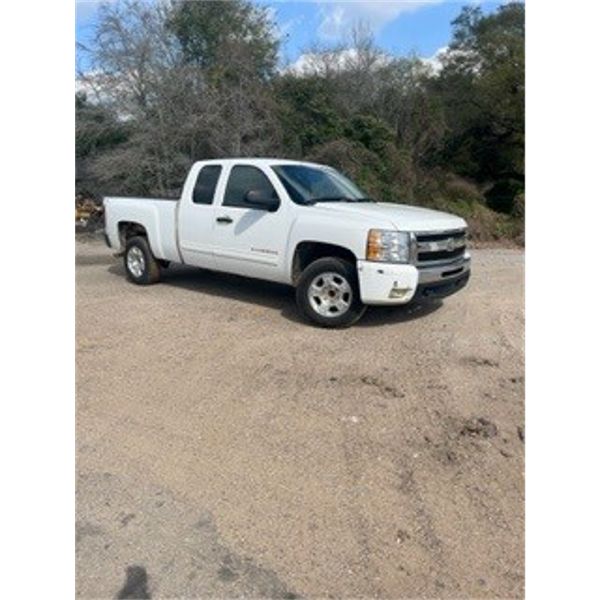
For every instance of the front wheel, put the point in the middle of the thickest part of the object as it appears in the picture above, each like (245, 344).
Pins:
(328, 293)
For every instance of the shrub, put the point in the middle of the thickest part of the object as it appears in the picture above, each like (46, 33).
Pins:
(502, 195)
(518, 210)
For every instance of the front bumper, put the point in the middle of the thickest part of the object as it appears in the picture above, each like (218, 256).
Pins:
(391, 284)
(442, 289)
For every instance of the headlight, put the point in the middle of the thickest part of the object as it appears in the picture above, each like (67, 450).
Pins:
(388, 246)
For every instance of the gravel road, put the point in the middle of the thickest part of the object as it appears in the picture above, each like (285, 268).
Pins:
(226, 449)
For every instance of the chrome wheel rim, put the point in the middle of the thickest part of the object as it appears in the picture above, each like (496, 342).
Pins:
(330, 294)
(136, 263)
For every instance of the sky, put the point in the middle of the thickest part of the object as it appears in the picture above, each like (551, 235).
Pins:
(400, 27)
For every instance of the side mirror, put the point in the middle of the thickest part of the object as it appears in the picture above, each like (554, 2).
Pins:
(261, 200)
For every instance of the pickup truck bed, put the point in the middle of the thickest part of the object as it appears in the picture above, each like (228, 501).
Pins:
(158, 216)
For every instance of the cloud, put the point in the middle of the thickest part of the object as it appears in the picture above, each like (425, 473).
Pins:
(97, 87)
(338, 17)
(314, 63)
(435, 61)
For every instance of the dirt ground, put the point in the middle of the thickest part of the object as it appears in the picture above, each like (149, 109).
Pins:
(226, 449)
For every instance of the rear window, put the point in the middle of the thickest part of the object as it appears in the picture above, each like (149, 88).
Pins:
(206, 183)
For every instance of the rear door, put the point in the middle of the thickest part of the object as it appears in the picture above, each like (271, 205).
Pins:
(197, 216)
(250, 241)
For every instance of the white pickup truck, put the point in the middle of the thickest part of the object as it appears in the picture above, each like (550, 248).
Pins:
(296, 223)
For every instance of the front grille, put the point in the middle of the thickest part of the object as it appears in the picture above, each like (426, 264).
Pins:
(459, 234)
(440, 247)
(440, 255)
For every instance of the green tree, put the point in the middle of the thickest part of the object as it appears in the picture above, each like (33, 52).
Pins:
(482, 86)
(209, 31)
(309, 117)
(97, 132)
(98, 129)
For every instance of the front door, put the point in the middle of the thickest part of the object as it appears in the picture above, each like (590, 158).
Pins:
(247, 240)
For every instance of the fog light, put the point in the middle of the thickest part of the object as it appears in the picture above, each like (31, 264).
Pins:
(398, 292)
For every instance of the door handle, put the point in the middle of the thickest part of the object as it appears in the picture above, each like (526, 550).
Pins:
(226, 220)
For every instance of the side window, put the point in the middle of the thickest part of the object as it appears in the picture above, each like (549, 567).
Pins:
(242, 179)
(206, 182)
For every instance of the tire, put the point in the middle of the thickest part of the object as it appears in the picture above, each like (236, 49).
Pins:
(141, 267)
(328, 294)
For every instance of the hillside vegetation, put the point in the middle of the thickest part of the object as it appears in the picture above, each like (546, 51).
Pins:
(174, 82)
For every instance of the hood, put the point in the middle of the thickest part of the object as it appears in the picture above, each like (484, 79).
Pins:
(401, 216)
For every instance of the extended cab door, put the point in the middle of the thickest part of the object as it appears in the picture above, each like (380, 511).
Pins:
(250, 240)
(197, 215)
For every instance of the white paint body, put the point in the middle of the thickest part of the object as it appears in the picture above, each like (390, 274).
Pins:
(262, 244)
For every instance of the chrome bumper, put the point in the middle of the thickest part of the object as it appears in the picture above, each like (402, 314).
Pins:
(446, 272)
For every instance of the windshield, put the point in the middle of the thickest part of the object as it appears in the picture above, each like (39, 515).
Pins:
(307, 185)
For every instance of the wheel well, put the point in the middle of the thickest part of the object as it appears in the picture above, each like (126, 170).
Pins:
(129, 229)
(307, 252)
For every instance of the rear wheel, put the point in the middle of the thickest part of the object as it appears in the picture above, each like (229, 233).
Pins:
(328, 293)
(141, 267)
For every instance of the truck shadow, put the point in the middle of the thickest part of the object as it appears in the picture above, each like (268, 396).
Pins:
(388, 315)
(274, 295)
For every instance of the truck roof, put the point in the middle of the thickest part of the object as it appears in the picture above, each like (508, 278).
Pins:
(258, 161)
